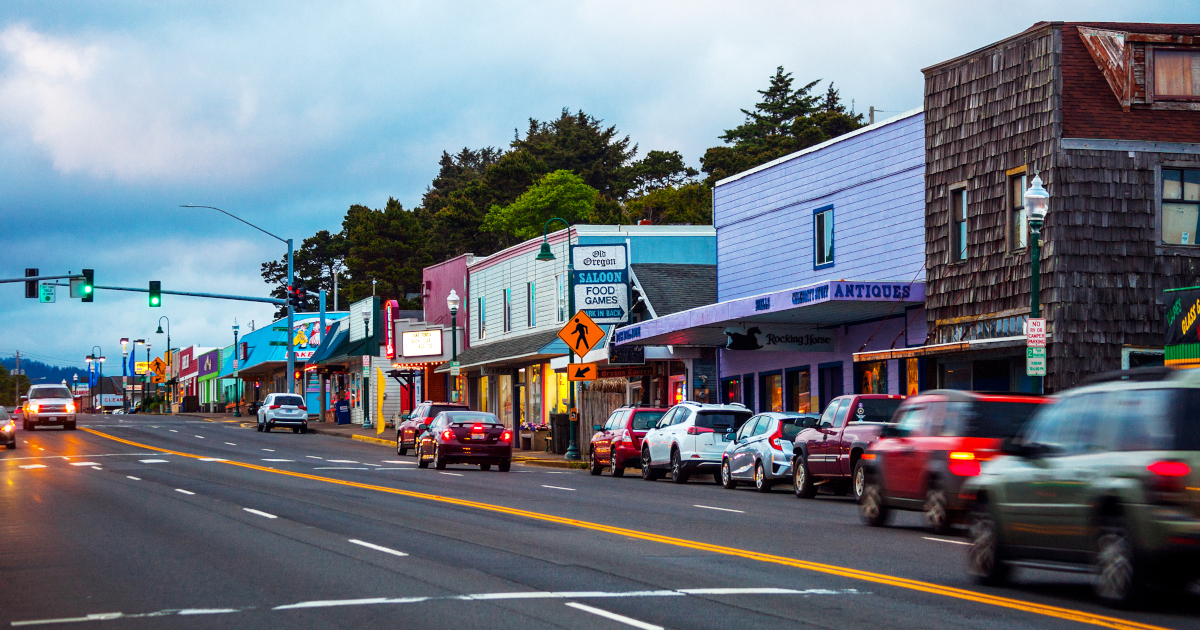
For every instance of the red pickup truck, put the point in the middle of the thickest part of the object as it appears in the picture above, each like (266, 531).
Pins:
(828, 454)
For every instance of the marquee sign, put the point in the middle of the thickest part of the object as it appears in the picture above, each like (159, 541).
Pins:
(421, 343)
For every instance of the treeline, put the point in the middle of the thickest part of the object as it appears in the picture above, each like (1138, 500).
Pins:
(573, 167)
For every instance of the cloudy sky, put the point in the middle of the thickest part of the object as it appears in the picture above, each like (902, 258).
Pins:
(114, 113)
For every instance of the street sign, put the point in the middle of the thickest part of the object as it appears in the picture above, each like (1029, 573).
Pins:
(139, 367)
(581, 333)
(1035, 361)
(581, 371)
(1035, 333)
(158, 366)
(454, 368)
(601, 281)
(46, 293)
(627, 372)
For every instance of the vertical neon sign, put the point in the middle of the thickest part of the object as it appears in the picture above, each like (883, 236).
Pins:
(389, 311)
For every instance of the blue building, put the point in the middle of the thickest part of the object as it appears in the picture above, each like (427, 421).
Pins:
(820, 255)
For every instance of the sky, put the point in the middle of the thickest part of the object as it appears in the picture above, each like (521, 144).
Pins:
(113, 114)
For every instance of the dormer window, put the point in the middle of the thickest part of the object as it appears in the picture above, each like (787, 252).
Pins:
(1176, 74)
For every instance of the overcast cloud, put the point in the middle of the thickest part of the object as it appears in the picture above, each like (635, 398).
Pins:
(112, 114)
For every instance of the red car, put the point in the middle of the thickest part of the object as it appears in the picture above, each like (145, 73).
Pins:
(940, 439)
(406, 433)
(618, 443)
(465, 437)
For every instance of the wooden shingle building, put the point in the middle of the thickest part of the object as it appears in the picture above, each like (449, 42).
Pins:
(1109, 116)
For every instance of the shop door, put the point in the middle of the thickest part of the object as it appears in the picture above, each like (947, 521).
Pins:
(992, 376)
(829, 381)
(748, 391)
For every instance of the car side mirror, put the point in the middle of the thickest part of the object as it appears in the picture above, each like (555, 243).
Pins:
(731, 436)
(422, 427)
(596, 427)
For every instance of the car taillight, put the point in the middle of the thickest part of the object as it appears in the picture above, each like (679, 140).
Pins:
(274, 406)
(506, 436)
(623, 436)
(698, 430)
(776, 440)
(447, 434)
(1169, 469)
(964, 464)
(1167, 485)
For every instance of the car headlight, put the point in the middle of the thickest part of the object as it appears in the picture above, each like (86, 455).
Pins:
(70, 407)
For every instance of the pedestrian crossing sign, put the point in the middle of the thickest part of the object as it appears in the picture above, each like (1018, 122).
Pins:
(581, 334)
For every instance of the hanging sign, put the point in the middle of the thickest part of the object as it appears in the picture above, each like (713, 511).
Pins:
(46, 293)
(601, 281)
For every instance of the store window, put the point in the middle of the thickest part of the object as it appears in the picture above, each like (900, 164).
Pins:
(958, 225)
(534, 385)
(871, 377)
(1176, 74)
(507, 310)
(1180, 205)
(823, 237)
(1018, 218)
(912, 377)
(799, 391)
(772, 392)
(504, 399)
(483, 393)
(482, 318)
(531, 304)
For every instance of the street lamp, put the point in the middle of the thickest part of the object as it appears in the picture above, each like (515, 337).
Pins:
(546, 255)
(133, 377)
(170, 356)
(366, 403)
(146, 377)
(97, 356)
(124, 375)
(452, 302)
(237, 394)
(1037, 201)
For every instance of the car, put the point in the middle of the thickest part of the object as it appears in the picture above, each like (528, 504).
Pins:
(465, 437)
(1106, 479)
(8, 429)
(690, 438)
(49, 404)
(761, 451)
(617, 444)
(283, 410)
(828, 454)
(424, 413)
(940, 440)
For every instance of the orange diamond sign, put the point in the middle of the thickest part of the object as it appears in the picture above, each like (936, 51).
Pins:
(581, 334)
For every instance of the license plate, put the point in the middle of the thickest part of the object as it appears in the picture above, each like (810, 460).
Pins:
(478, 436)
(53, 418)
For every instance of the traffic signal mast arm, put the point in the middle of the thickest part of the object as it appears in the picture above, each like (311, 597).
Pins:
(218, 296)
(40, 278)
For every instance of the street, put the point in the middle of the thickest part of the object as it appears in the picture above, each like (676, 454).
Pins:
(165, 522)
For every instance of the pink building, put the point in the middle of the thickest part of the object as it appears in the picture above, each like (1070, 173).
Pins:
(439, 279)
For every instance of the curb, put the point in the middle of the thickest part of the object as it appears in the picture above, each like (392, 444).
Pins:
(371, 440)
(550, 463)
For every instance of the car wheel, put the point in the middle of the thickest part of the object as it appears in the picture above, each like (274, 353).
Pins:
(505, 465)
(439, 462)
(802, 481)
(266, 428)
(595, 468)
(12, 444)
(678, 474)
(485, 467)
(400, 449)
(937, 514)
(1118, 576)
(295, 429)
(649, 473)
(727, 476)
(28, 426)
(421, 461)
(617, 469)
(858, 481)
(873, 510)
(260, 426)
(983, 560)
(760, 478)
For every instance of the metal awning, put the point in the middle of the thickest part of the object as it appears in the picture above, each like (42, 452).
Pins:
(824, 304)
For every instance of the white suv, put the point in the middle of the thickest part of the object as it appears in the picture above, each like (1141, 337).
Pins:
(49, 404)
(690, 438)
(283, 410)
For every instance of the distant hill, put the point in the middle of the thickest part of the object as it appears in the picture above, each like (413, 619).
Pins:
(49, 373)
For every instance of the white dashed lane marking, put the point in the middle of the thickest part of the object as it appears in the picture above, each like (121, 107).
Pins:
(279, 460)
(446, 473)
(600, 612)
(947, 540)
(368, 545)
(84, 464)
(262, 514)
(181, 490)
(153, 461)
(558, 488)
(28, 466)
(709, 507)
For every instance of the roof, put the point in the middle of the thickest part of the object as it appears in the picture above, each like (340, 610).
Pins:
(519, 349)
(333, 343)
(674, 288)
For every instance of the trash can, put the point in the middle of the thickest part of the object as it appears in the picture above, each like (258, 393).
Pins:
(560, 432)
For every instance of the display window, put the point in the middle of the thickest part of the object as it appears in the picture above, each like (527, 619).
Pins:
(799, 391)
(871, 377)
(772, 392)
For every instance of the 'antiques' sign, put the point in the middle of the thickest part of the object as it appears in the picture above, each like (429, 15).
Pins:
(770, 338)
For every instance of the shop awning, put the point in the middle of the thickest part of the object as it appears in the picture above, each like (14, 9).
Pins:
(519, 350)
(333, 343)
(830, 303)
(943, 348)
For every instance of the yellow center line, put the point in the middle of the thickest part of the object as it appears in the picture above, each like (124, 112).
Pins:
(867, 576)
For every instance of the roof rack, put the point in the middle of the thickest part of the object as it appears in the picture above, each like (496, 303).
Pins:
(1145, 374)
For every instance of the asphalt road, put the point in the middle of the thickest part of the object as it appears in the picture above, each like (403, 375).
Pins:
(235, 528)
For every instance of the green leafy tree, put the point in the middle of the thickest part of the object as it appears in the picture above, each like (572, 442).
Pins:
(11, 388)
(581, 144)
(660, 169)
(560, 194)
(689, 204)
(388, 246)
(319, 257)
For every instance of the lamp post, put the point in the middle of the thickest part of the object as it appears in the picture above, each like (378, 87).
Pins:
(366, 377)
(146, 377)
(124, 375)
(1037, 201)
(452, 301)
(237, 390)
(98, 356)
(170, 356)
(133, 377)
(546, 255)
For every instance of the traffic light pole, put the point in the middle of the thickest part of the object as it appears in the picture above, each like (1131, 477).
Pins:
(291, 349)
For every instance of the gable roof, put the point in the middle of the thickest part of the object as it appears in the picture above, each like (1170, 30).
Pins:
(674, 288)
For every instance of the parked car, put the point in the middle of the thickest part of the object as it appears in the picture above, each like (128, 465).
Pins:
(617, 443)
(466, 437)
(689, 438)
(940, 440)
(285, 410)
(1106, 478)
(761, 451)
(8, 429)
(49, 404)
(828, 454)
(424, 413)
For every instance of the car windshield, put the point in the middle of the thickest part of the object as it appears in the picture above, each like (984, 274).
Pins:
(49, 392)
(436, 409)
(998, 419)
(645, 420)
(793, 425)
(875, 409)
(289, 400)
(471, 417)
(721, 421)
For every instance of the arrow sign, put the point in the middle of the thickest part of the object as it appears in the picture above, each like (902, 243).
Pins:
(581, 372)
(581, 334)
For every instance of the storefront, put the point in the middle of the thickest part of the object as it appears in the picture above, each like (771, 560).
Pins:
(209, 368)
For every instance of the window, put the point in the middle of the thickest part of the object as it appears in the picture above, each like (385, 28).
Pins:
(764, 423)
(531, 303)
(507, 310)
(1180, 205)
(560, 298)
(823, 237)
(772, 392)
(958, 225)
(1018, 228)
(798, 391)
(482, 318)
(1176, 73)
(645, 420)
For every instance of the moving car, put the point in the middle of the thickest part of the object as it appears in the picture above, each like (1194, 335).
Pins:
(466, 437)
(828, 454)
(1106, 479)
(761, 451)
(618, 443)
(49, 404)
(283, 410)
(690, 438)
(8, 429)
(941, 438)
(424, 413)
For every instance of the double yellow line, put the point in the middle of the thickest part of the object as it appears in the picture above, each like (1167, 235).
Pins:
(845, 572)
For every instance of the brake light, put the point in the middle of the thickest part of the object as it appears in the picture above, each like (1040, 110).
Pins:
(776, 440)
(274, 406)
(506, 436)
(959, 455)
(447, 434)
(964, 464)
(1167, 485)
(698, 430)
(623, 436)
(478, 428)
(1169, 469)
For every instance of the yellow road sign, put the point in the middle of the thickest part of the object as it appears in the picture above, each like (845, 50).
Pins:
(581, 371)
(158, 366)
(581, 334)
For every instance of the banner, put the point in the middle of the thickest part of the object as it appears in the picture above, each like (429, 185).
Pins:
(1182, 316)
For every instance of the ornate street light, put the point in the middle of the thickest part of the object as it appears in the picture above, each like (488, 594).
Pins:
(237, 390)
(1037, 201)
(545, 255)
(452, 302)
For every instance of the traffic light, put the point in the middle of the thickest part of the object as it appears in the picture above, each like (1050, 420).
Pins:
(89, 285)
(31, 286)
(155, 293)
(301, 296)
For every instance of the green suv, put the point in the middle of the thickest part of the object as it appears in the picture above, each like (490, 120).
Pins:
(1106, 480)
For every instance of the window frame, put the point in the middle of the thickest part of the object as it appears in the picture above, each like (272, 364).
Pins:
(1152, 73)
(482, 317)
(531, 304)
(829, 222)
(1162, 201)
(1015, 211)
(959, 228)
(560, 302)
(508, 310)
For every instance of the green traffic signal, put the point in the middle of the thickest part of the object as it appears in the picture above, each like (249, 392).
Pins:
(89, 284)
(155, 293)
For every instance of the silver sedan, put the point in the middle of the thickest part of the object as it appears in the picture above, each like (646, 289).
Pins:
(760, 452)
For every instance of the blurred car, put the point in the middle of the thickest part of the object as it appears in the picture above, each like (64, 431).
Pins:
(761, 451)
(940, 439)
(424, 413)
(828, 454)
(690, 438)
(8, 429)
(1106, 479)
(49, 404)
(617, 443)
(284, 410)
(465, 437)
